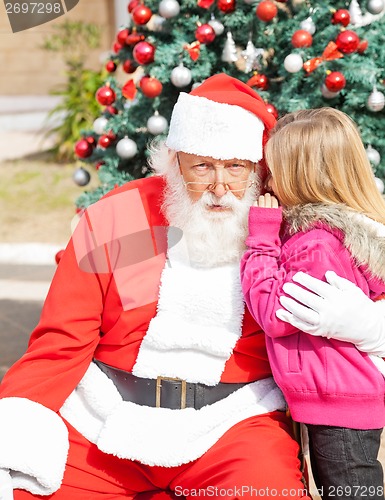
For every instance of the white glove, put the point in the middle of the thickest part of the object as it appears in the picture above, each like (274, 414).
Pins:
(6, 489)
(339, 310)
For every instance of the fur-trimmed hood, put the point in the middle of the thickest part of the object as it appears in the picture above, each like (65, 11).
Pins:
(362, 236)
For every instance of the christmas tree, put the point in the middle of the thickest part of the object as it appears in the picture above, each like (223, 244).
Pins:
(297, 54)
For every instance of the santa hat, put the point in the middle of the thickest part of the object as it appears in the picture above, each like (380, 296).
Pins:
(223, 118)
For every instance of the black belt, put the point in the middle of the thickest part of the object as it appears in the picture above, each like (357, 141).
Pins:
(165, 392)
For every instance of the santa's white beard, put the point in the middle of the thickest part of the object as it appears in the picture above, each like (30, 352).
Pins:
(212, 237)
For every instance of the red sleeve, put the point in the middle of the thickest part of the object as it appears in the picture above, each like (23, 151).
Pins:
(62, 345)
(265, 267)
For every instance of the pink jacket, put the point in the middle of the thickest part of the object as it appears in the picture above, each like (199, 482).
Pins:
(324, 381)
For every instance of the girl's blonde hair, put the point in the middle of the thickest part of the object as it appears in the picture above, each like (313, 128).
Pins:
(317, 156)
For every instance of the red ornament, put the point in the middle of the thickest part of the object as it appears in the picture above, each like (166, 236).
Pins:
(342, 16)
(144, 53)
(83, 149)
(362, 46)
(141, 14)
(205, 4)
(91, 140)
(347, 41)
(122, 36)
(272, 109)
(151, 87)
(205, 33)
(99, 164)
(226, 6)
(111, 66)
(117, 47)
(105, 95)
(132, 4)
(335, 81)
(58, 256)
(112, 110)
(134, 38)
(129, 66)
(105, 141)
(259, 81)
(301, 38)
(266, 11)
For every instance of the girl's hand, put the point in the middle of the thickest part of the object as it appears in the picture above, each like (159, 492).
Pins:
(267, 201)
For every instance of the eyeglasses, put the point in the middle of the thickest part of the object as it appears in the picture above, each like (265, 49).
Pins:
(234, 187)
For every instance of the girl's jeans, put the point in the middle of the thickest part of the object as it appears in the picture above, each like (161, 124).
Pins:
(344, 462)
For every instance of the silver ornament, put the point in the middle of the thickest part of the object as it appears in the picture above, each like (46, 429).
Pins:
(100, 124)
(252, 57)
(358, 19)
(169, 8)
(229, 53)
(181, 76)
(376, 101)
(373, 155)
(126, 148)
(156, 23)
(308, 25)
(217, 26)
(81, 177)
(293, 63)
(376, 6)
(380, 184)
(327, 94)
(157, 124)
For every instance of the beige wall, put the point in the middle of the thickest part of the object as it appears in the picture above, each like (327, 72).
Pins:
(26, 69)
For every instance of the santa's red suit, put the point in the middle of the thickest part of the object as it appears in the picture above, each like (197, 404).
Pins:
(65, 428)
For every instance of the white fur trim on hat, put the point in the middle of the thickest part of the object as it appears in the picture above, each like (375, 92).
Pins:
(204, 127)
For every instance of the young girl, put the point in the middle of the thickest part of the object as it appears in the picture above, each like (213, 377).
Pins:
(334, 219)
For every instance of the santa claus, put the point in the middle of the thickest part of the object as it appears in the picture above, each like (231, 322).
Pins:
(146, 376)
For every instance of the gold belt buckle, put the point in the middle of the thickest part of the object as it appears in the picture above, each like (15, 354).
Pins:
(183, 393)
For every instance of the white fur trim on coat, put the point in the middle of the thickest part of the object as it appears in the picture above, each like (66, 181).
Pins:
(228, 132)
(160, 436)
(198, 322)
(33, 445)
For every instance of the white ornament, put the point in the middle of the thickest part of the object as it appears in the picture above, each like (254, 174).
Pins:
(375, 6)
(126, 148)
(100, 124)
(376, 100)
(358, 19)
(373, 155)
(217, 26)
(327, 93)
(181, 76)
(157, 124)
(81, 177)
(293, 63)
(308, 25)
(229, 53)
(252, 56)
(169, 8)
(156, 23)
(380, 184)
